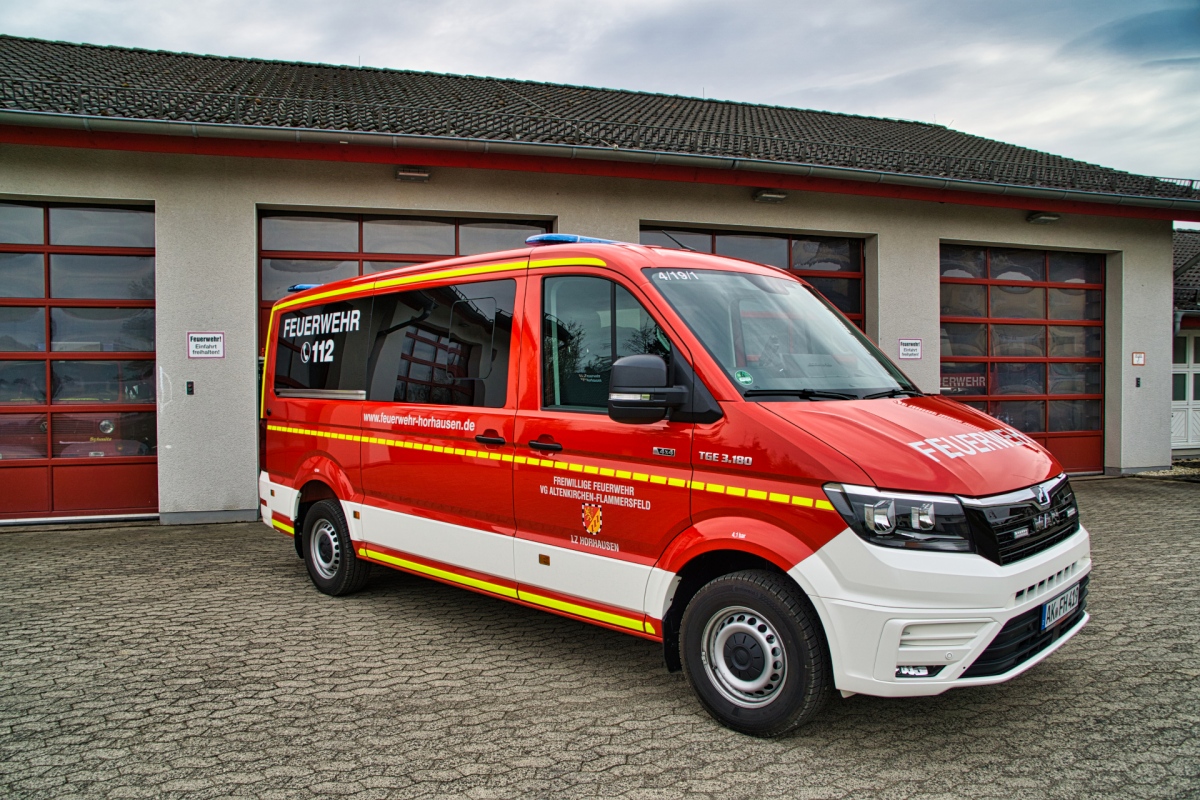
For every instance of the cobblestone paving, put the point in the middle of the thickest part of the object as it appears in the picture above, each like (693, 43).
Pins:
(200, 662)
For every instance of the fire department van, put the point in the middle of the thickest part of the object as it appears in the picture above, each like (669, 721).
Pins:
(692, 449)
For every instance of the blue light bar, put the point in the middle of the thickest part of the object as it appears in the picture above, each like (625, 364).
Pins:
(302, 287)
(565, 238)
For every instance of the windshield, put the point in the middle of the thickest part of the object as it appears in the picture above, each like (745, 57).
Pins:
(777, 336)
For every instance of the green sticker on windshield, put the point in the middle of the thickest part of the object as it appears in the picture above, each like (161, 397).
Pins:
(743, 377)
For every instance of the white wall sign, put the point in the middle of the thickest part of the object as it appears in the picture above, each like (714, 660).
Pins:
(1139, 359)
(910, 348)
(206, 345)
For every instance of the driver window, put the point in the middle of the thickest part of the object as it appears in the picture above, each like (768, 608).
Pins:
(587, 323)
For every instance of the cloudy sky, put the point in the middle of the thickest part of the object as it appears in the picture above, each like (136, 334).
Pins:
(1112, 82)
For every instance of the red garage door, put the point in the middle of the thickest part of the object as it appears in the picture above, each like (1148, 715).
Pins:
(77, 414)
(1023, 340)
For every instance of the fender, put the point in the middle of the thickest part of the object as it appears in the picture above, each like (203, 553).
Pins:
(755, 536)
(320, 467)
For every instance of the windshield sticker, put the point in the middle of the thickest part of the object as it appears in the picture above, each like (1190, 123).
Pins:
(744, 378)
(971, 444)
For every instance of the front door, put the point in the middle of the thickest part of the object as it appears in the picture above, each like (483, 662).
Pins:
(437, 447)
(597, 501)
(1185, 391)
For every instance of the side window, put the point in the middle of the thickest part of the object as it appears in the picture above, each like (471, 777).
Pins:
(448, 346)
(587, 323)
(322, 349)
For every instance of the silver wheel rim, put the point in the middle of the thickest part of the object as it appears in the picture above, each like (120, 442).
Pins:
(743, 657)
(325, 549)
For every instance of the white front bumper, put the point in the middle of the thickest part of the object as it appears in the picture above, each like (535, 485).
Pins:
(884, 608)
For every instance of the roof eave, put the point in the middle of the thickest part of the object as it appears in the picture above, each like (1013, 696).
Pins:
(591, 152)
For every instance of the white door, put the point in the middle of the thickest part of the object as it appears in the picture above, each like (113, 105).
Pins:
(1185, 390)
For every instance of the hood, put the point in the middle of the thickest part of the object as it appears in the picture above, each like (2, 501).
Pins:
(925, 444)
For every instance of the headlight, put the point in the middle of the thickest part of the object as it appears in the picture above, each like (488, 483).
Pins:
(911, 521)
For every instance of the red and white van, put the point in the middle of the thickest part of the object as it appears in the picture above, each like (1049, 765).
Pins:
(692, 449)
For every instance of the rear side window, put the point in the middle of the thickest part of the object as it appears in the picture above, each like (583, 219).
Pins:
(321, 350)
(446, 346)
(587, 323)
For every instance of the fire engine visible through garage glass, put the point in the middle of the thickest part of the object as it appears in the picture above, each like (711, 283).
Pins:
(774, 334)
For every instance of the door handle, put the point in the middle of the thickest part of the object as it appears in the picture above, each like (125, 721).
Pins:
(492, 440)
(551, 447)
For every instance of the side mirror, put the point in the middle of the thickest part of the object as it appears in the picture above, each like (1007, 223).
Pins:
(638, 392)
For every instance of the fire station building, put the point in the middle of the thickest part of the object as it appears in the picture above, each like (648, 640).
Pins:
(153, 205)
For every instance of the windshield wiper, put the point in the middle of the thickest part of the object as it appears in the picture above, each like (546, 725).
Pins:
(803, 394)
(894, 393)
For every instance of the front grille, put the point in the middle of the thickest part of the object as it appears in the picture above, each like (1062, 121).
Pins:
(1022, 638)
(1009, 532)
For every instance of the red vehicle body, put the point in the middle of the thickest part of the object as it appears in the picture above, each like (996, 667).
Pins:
(782, 542)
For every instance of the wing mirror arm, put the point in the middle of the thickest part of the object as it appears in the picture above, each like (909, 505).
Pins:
(638, 390)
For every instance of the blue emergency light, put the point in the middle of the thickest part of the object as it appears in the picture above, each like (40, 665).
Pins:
(565, 238)
(302, 287)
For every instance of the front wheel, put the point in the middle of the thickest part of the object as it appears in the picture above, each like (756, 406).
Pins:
(329, 553)
(754, 653)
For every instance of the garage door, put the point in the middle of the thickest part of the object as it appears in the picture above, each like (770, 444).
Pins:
(77, 402)
(1023, 340)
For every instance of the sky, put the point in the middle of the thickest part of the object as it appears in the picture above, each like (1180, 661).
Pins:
(1111, 82)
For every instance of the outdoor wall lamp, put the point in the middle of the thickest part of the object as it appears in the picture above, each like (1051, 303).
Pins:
(769, 195)
(1042, 217)
(412, 174)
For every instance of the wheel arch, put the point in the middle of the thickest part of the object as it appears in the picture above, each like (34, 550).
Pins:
(312, 491)
(717, 547)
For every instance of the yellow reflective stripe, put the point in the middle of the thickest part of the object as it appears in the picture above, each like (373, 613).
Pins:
(283, 526)
(566, 262)
(650, 628)
(571, 466)
(361, 288)
(457, 272)
(262, 406)
(487, 586)
(581, 611)
(404, 280)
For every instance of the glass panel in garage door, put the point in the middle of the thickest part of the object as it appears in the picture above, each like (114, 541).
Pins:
(1043, 353)
(76, 288)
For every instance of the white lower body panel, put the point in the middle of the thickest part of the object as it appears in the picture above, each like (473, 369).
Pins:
(883, 609)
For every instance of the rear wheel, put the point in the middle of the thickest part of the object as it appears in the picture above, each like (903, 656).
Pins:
(329, 553)
(754, 652)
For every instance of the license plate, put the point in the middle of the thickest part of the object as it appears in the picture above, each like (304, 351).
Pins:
(1061, 606)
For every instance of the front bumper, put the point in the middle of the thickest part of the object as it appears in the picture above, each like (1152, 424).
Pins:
(884, 609)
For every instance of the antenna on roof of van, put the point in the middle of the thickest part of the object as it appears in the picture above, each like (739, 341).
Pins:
(565, 238)
(302, 287)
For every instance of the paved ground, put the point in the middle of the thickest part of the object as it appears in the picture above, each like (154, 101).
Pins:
(200, 662)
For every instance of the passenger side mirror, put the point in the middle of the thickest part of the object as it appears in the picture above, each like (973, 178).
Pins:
(638, 392)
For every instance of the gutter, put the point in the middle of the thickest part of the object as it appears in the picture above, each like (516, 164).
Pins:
(93, 124)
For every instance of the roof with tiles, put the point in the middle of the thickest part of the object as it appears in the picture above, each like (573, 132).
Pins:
(1187, 258)
(58, 77)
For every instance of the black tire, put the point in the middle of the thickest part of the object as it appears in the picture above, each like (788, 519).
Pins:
(328, 552)
(771, 671)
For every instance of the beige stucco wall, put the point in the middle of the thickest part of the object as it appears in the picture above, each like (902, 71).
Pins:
(206, 263)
